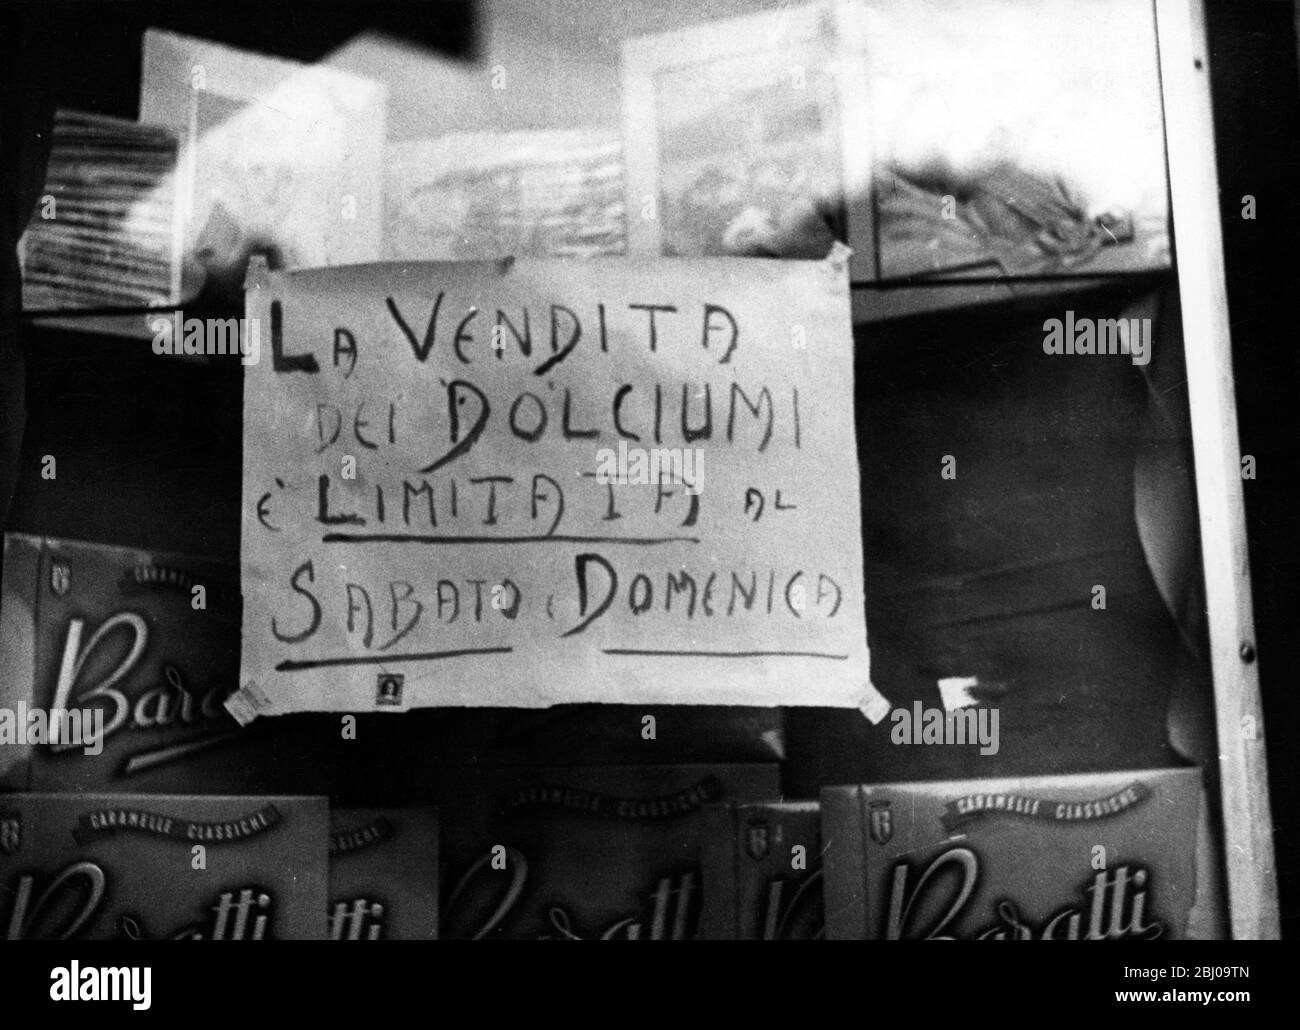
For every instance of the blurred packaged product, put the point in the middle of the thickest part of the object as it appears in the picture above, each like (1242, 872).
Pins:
(105, 232)
(278, 158)
(471, 196)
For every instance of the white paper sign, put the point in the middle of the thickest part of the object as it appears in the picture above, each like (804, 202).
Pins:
(529, 483)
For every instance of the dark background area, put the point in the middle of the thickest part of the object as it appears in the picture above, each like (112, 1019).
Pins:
(1256, 96)
(149, 449)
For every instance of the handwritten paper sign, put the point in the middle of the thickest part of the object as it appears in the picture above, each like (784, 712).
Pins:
(528, 483)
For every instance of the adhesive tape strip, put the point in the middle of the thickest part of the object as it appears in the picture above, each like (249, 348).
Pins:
(247, 704)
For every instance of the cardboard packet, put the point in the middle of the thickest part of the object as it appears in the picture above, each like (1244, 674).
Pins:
(1103, 856)
(573, 853)
(383, 874)
(762, 871)
(115, 867)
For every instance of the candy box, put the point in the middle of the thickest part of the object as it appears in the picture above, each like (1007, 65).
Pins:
(148, 643)
(383, 874)
(580, 853)
(110, 867)
(1102, 856)
(762, 872)
(142, 647)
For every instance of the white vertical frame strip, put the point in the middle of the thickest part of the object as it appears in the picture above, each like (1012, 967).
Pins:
(1194, 185)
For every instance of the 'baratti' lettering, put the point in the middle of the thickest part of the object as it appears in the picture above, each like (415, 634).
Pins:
(1116, 908)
